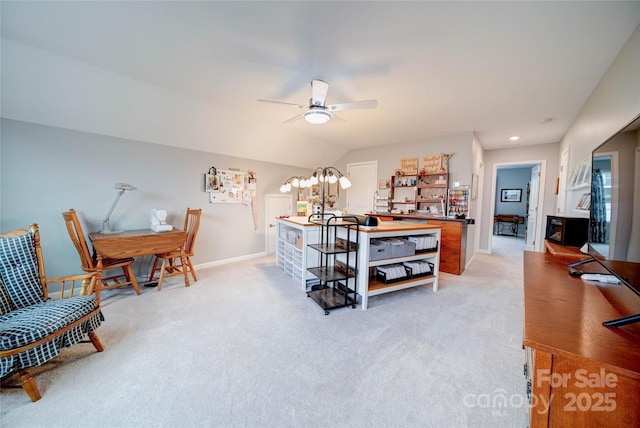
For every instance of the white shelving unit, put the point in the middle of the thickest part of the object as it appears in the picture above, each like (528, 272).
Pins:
(458, 201)
(382, 202)
(292, 253)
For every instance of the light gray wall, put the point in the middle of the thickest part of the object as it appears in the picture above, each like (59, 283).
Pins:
(47, 170)
(464, 147)
(388, 156)
(612, 105)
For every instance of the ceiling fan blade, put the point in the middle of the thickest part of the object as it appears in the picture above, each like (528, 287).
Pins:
(319, 91)
(335, 116)
(353, 105)
(294, 118)
(281, 102)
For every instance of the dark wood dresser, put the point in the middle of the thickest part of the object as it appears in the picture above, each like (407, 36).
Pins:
(580, 373)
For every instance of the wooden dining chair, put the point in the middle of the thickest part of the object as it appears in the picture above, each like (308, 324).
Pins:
(127, 277)
(172, 263)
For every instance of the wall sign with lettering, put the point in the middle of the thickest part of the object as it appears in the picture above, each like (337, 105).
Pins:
(409, 166)
(435, 164)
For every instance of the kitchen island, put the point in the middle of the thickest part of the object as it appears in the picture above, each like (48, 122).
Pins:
(295, 234)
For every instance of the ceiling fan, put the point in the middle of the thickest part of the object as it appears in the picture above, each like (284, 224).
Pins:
(318, 112)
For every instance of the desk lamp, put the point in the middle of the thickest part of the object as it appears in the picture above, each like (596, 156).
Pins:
(106, 226)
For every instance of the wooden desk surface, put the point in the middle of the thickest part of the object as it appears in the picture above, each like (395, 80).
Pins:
(383, 226)
(564, 251)
(135, 243)
(563, 315)
(399, 226)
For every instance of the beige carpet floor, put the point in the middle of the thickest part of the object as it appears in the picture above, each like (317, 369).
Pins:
(243, 347)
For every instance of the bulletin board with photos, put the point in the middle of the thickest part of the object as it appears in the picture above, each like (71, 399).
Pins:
(228, 186)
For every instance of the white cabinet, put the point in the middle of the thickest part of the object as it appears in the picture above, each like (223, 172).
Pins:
(293, 255)
(369, 285)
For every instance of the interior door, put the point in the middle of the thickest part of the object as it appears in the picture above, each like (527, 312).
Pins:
(532, 213)
(277, 205)
(363, 177)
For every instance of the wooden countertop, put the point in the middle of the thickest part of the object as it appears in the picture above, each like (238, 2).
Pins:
(398, 226)
(383, 226)
(564, 251)
(563, 315)
(426, 217)
(299, 220)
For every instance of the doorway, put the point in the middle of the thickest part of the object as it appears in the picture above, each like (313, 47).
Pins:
(529, 234)
(363, 177)
(277, 204)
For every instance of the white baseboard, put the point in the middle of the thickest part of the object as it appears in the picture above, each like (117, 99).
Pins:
(469, 261)
(231, 260)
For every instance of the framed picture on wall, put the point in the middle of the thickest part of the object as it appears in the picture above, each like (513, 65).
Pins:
(510, 195)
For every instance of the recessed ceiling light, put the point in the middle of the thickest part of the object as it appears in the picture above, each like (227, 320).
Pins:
(514, 138)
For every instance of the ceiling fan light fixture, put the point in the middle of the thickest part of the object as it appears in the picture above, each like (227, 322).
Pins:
(317, 116)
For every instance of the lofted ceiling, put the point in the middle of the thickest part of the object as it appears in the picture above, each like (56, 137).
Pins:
(436, 68)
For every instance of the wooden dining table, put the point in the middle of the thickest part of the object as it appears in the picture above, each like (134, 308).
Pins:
(136, 243)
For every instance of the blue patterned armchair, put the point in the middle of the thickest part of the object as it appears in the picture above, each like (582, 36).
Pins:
(33, 326)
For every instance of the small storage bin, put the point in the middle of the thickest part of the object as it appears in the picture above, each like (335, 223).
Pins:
(342, 243)
(424, 243)
(292, 234)
(392, 273)
(401, 247)
(378, 250)
(418, 268)
(342, 268)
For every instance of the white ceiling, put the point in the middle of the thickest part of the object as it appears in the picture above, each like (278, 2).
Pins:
(436, 68)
